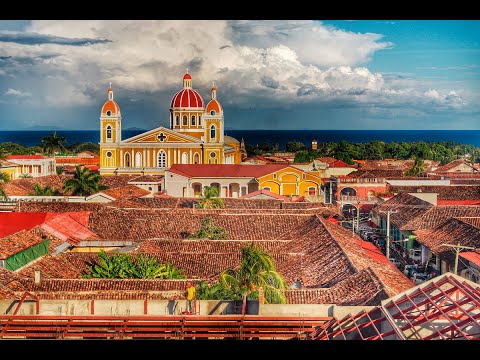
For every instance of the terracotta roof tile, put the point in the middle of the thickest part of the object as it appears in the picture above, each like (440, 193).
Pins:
(15, 243)
(452, 165)
(225, 170)
(126, 192)
(147, 179)
(439, 214)
(443, 192)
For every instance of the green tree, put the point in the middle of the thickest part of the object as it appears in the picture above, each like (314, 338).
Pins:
(294, 146)
(209, 231)
(85, 146)
(304, 156)
(53, 143)
(416, 169)
(83, 183)
(215, 291)
(38, 190)
(257, 269)
(128, 266)
(4, 178)
(209, 199)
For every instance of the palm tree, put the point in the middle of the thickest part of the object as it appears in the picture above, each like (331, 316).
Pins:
(257, 269)
(209, 199)
(38, 190)
(84, 182)
(53, 143)
(4, 178)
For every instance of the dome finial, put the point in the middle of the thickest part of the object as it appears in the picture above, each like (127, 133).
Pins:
(110, 92)
(214, 90)
(187, 70)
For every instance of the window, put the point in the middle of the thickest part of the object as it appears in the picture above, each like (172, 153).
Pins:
(127, 160)
(212, 154)
(184, 158)
(212, 132)
(311, 190)
(161, 137)
(177, 120)
(109, 132)
(274, 176)
(199, 120)
(162, 159)
(193, 120)
(196, 158)
(109, 154)
(138, 159)
(185, 120)
(304, 176)
(109, 113)
(212, 112)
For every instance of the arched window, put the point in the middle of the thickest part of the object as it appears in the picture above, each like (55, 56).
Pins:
(127, 159)
(193, 120)
(185, 120)
(196, 159)
(311, 190)
(138, 159)
(109, 132)
(162, 159)
(177, 120)
(212, 132)
(184, 158)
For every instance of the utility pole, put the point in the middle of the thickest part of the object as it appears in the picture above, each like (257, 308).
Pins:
(358, 216)
(457, 248)
(388, 235)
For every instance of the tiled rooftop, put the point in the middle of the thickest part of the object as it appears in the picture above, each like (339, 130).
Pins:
(15, 243)
(443, 192)
(126, 192)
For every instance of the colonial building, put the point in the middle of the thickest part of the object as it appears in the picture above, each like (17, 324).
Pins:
(240, 180)
(195, 136)
(32, 165)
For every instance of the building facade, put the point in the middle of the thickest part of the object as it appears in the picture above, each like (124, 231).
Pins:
(195, 136)
(32, 165)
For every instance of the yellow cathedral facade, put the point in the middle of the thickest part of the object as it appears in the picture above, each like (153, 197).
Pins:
(195, 136)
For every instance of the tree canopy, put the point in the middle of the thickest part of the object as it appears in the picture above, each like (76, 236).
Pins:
(83, 183)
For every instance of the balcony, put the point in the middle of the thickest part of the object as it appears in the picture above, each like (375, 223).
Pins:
(357, 199)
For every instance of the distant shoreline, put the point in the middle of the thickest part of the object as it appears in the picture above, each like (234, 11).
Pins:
(280, 137)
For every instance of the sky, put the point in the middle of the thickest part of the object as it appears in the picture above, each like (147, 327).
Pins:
(306, 74)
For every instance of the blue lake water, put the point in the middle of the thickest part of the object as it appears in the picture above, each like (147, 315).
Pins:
(471, 137)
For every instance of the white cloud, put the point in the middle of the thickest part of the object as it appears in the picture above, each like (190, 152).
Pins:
(273, 63)
(13, 92)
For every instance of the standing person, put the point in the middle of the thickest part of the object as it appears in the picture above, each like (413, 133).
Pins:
(190, 298)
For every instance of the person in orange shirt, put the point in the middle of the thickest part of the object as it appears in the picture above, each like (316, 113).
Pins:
(190, 298)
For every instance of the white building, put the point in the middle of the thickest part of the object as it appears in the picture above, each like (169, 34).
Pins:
(34, 165)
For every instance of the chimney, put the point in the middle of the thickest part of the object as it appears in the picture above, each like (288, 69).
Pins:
(37, 277)
(314, 144)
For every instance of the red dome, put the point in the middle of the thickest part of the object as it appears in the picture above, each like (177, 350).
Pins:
(187, 77)
(112, 106)
(187, 98)
(213, 105)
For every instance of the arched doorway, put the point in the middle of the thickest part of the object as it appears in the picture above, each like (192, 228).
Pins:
(217, 185)
(197, 189)
(349, 211)
(196, 158)
(234, 190)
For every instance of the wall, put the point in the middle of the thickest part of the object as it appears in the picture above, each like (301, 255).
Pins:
(428, 197)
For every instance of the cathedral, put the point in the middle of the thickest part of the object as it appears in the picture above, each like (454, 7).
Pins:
(195, 136)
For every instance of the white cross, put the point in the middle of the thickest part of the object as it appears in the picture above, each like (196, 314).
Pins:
(213, 83)
(187, 70)
(110, 84)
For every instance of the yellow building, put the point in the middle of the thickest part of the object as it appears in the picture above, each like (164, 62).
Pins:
(12, 170)
(239, 180)
(291, 181)
(195, 136)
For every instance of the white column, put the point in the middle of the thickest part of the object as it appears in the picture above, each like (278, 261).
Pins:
(144, 157)
(121, 158)
(190, 158)
(148, 158)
